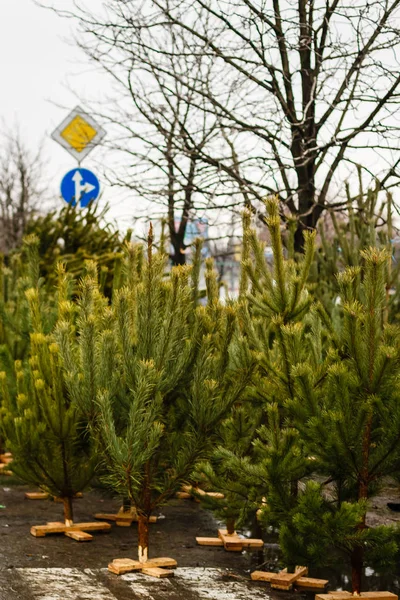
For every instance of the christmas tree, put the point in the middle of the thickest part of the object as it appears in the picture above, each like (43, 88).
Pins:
(43, 428)
(350, 428)
(159, 412)
(258, 442)
(331, 408)
(74, 236)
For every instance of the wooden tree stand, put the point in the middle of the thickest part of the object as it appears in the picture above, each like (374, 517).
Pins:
(5, 460)
(368, 595)
(230, 541)
(285, 581)
(187, 493)
(156, 567)
(123, 518)
(76, 531)
(45, 496)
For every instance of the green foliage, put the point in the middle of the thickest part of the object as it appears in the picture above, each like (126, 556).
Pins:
(43, 428)
(74, 236)
(16, 320)
(348, 419)
(365, 221)
(153, 374)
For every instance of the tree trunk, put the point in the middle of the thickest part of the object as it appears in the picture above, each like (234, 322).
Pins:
(308, 211)
(68, 512)
(230, 526)
(179, 257)
(357, 555)
(143, 532)
(357, 565)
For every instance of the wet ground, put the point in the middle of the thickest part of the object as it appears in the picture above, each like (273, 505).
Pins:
(58, 568)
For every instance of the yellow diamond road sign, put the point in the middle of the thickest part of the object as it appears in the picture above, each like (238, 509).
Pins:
(78, 134)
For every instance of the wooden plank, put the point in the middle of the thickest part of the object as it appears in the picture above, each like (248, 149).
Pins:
(183, 495)
(217, 495)
(119, 566)
(77, 496)
(284, 580)
(4, 470)
(209, 541)
(36, 495)
(379, 595)
(232, 542)
(252, 543)
(310, 583)
(190, 491)
(157, 572)
(79, 536)
(283, 587)
(368, 595)
(42, 530)
(122, 519)
(106, 516)
(161, 562)
(262, 576)
(335, 595)
(92, 526)
(5, 455)
(58, 527)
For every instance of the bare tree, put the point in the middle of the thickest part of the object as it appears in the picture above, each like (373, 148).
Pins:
(172, 150)
(20, 189)
(308, 90)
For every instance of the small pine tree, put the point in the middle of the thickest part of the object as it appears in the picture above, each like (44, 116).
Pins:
(364, 221)
(174, 374)
(237, 432)
(352, 428)
(17, 275)
(44, 430)
(272, 321)
(74, 236)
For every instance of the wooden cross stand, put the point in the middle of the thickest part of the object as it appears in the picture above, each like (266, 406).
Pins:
(45, 496)
(285, 581)
(5, 460)
(190, 492)
(123, 518)
(76, 531)
(230, 541)
(187, 492)
(156, 567)
(366, 595)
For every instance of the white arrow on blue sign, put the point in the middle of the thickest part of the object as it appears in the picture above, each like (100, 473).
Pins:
(80, 186)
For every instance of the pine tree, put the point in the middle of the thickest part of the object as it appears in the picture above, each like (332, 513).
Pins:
(44, 429)
(74, 236)
(21, 274)
(158, 413)
(365, 220)
(230, 501)
(351, 428)
(273, 319)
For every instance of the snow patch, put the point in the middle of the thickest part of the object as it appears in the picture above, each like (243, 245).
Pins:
(209, 585)
(64, 584)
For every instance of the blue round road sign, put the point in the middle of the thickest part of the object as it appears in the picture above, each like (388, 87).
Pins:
(80, 186)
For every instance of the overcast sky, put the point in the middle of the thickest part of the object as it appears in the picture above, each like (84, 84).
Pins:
(40, 68)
